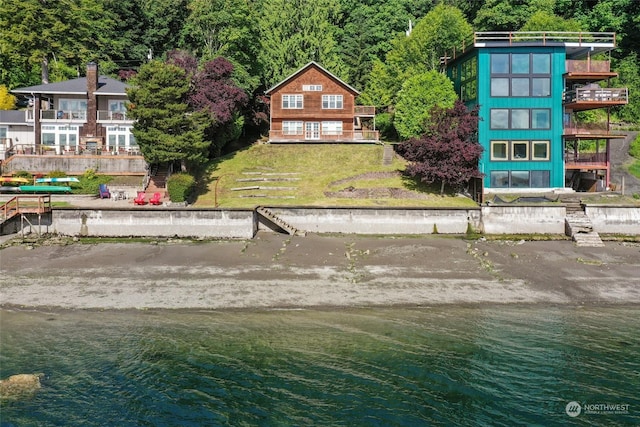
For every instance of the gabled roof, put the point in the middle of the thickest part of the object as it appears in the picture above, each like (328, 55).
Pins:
(309, 65)
(106, 86)
(13, 117)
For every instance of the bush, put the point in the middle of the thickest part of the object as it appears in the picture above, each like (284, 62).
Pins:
(57, 174)
(384, 123)
(180, 186)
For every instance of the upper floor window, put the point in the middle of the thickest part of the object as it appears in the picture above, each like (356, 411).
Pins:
(73, 105)
(332, 102)
(520, 74)
(292, 101)
(312, 88)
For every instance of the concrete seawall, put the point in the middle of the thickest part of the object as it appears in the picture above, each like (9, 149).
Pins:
(244, 223)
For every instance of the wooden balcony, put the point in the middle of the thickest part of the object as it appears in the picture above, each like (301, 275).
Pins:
(364, 111)
(575, 130)
(588, 70)
(590, 98)
(358, 136)
(79, 116)
(113, 117)
(586, 161)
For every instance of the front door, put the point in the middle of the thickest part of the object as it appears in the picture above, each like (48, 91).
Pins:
(312, 130)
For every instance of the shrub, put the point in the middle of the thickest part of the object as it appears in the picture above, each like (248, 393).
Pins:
(23, 174)
(634, 147)
(57, 174)
(384, 123)
(180, 186)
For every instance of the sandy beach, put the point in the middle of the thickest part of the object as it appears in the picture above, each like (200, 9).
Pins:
(279, 271)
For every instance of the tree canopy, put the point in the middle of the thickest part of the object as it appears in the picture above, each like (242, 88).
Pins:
(448, 152)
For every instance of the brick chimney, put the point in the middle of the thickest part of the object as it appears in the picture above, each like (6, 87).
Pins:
(90, 129)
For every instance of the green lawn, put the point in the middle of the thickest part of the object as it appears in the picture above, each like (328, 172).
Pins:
(634, 168)
(315, 175)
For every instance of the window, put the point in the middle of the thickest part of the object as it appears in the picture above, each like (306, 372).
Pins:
(468, 79)
(292, 101)
(520, 119)
(500, 179)
(519, 150)
(540, 150)
(519, 179)
(291, 128)
(521, 74)
(3, 132)
(499, 118)
(332, 128)
(500, 63)
(332, 102)
(541, 118)
(119, 138)
(499, 150)
(312, 88)
(499, 86)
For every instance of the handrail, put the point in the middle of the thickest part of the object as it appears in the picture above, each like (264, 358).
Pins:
(22, 204)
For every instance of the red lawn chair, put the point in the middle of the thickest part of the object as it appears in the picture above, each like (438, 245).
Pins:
(156, 199)
(140, 198)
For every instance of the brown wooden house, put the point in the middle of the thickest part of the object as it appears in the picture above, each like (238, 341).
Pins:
(313, 105)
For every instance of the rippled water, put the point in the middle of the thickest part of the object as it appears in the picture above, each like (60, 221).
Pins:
(490, 365)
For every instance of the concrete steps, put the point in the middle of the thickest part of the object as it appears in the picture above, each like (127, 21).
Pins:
(280, 224)
(579, 227)
(387, 155)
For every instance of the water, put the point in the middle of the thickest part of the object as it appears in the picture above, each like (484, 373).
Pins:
(480, 366)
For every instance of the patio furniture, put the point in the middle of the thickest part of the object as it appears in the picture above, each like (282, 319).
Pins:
(140, 198)
(104, 191)
(156, 199)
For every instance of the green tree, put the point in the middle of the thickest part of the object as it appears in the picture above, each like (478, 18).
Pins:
(165, 128)
(7, 101)
(68, 32)
(418, 97)
(629, 77)
(545, 21)
(441, 30)
(164, 20)
(509, 15)
(295, 32)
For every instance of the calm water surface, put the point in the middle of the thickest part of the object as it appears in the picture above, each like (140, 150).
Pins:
(480, 366)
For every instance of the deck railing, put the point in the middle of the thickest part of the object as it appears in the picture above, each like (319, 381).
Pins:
(344, 136)
(112, 116)
(365, 110)
(604, 95)
(588, 66)
(582, 158)
(25, 204)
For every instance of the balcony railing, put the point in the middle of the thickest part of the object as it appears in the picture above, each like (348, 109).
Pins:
(63, 115)
(345, 136)
(586, 128)
(112, 116)
(602, 95)
(364, 110)
(585, 158)
(589, 66)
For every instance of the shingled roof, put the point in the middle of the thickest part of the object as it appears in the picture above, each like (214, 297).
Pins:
(106, 86)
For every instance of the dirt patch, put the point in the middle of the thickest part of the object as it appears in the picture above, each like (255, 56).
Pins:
(375, 193)
(369, 175)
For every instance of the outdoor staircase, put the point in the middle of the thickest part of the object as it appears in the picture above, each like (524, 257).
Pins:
(157, 181)
(578, 225)
(387, 155)
(280, 224)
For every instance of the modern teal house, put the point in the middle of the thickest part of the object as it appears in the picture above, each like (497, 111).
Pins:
(529, 86)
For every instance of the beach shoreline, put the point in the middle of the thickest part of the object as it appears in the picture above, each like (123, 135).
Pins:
(274, 271)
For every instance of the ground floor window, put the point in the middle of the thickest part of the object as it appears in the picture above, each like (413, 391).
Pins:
(332, 128)
(120, 139)
(292, 128)
(60, 138)
(520, 179)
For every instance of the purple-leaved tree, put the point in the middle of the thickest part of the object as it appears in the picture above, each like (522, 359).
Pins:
(449, 151)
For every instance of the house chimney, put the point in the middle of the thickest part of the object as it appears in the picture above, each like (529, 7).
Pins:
(90, 129)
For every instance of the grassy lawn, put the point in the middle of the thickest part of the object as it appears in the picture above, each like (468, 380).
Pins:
(315, 175)
(634, 168)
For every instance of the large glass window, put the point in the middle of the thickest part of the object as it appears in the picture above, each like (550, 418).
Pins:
(499, 150)
(520, 118)
(541, 63)
(292, 101)
(541, 118)
(519, 179)
(332, 128)
(519, 87)
(292, 128)
(520, 63)
(541, 86)
(499, 86)
(499, 179)
(540, 179)
(499, 118)
(499, 63)
(332, 102)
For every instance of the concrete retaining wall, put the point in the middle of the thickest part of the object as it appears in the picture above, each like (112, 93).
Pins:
(224, 224)
(523, 219)
(379, 221)
(77, 165)
(614, 219)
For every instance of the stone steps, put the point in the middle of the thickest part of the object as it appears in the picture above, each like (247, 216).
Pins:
(387, 155)
(271, 217)
(579, 227)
